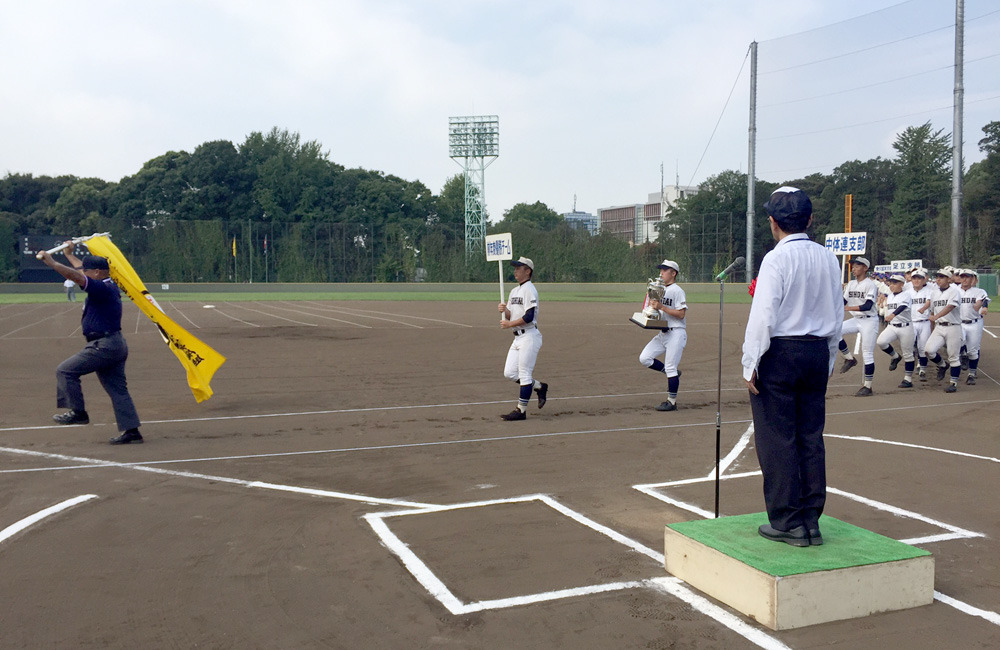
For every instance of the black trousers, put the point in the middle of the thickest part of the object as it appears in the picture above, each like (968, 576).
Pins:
(106, 357)
(788, 418)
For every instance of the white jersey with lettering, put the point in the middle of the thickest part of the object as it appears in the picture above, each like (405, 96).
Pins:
(857, 293)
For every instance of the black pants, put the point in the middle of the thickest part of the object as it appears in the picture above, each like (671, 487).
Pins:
(106, 357)
(788, 418)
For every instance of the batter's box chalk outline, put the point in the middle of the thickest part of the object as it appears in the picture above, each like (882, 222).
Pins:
(655, 490)
(440, 591)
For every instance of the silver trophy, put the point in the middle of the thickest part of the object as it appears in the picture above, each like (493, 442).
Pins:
(654, 291)
(649, 318)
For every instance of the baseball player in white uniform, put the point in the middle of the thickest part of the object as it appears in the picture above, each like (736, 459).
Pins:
(945, 308)
(898, 328)
(859, 299)
(920, 298)
(973, 298)
(672, 338)
(520, 314)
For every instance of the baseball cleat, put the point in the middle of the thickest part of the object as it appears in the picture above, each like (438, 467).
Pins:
(132, 436)
(905, 384)
(848, 364)
(514, 415)
(543, 394)
(72, 417)
(894, 363)
(952, 388)
(666, 406)
(970, 380)
(942, 371)
(864, 391)
(965, 362)
(923, 375)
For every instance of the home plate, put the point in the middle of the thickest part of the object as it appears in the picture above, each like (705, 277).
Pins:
(854, 573)
(209, 306)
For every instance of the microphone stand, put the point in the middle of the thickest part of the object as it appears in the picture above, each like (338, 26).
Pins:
(718, 408)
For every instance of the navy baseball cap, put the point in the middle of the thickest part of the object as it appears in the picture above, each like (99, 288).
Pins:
(788, 203)
(94, 262)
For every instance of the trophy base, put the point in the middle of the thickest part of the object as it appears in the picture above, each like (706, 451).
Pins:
(647, 323)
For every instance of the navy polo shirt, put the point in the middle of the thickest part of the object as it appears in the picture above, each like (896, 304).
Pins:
(102, 311)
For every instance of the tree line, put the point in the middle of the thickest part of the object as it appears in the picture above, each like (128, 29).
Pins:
(277, 208)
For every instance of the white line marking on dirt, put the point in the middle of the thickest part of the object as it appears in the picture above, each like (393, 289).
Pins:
(992, 617)
(347, 313)
(245, 322)
(668, 585)
(309, 313)
(913, 446)
(297, 322)
(987, 330)
(56, 315)
(389, 313)
(96, 462)
(734, 453)
(15, 528)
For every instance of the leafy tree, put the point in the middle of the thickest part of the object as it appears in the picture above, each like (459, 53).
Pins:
(536, 214)
(872, 184)
(982, 202)
(919, 211)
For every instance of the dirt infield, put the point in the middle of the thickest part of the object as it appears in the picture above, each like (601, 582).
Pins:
(351, 485)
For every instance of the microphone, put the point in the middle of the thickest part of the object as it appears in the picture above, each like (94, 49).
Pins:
(737, 263)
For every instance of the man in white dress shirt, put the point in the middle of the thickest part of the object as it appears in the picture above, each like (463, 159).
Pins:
(789, 351)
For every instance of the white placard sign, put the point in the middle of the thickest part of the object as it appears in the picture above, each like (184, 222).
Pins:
(499, 247)
(883, 268)
(847, 243)
(906, 265)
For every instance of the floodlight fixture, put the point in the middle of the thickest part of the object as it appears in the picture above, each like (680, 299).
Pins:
(474, 143)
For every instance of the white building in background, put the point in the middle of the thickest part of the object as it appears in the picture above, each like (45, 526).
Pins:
(583, 221)
(637, 223)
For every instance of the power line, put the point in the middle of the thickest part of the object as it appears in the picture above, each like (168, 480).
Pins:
(731, 90)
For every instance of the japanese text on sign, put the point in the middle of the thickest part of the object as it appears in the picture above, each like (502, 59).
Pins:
(499, 247)
(906, 265)
(847, 243)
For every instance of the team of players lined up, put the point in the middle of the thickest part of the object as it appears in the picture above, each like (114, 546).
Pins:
(920, 321)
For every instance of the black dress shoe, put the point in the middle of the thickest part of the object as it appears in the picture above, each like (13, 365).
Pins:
(132, 436)
(514, 416)
(815, 537)
(797, 536)
(72, 417)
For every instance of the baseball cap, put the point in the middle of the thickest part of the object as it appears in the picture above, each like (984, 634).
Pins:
(945, 273)
(919, 273)
(861, 260)
(523, 261)
(896, 278)
(787, 203)
(94, 262)
(968, 272)
(669, 264)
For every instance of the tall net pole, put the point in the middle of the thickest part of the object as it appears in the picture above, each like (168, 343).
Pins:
(956, 135)
(474, 143)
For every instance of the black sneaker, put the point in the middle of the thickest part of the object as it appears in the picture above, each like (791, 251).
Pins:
(666, 406)
(132, 436)
(514, 415)
(72, 417)
(970, 380)
(894, 363)
(942, 371)
(952, 388)
(848, 364)
(905, 384)
(864, 391)
(543, 394)
(964, 361)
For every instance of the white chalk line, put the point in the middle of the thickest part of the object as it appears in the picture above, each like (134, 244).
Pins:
(895, 443)
(309, 313)
(347, 313)
(17, 527)
(297, 322)
(96, 462)
(56, 315)
(734, 453)
(668, 585)
(389, 313)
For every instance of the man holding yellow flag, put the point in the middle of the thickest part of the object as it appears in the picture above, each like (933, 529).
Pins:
(106, 350)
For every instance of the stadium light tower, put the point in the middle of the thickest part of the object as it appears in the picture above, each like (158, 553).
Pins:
(474, 143)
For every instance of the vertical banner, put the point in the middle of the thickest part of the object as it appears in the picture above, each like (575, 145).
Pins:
(499, 248)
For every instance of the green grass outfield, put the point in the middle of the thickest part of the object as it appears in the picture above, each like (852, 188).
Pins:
(735, 292)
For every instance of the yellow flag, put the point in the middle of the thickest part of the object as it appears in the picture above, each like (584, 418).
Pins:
(234, 247)
(199, 360)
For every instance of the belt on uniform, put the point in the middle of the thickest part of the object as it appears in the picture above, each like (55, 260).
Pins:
(667, 329)
(93, 336)
(520, 332)
(900, 324)
(802, 337)
(864, 317)
(945, 324)
(970, 322)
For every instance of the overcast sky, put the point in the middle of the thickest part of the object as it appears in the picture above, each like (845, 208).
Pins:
(592, 95)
